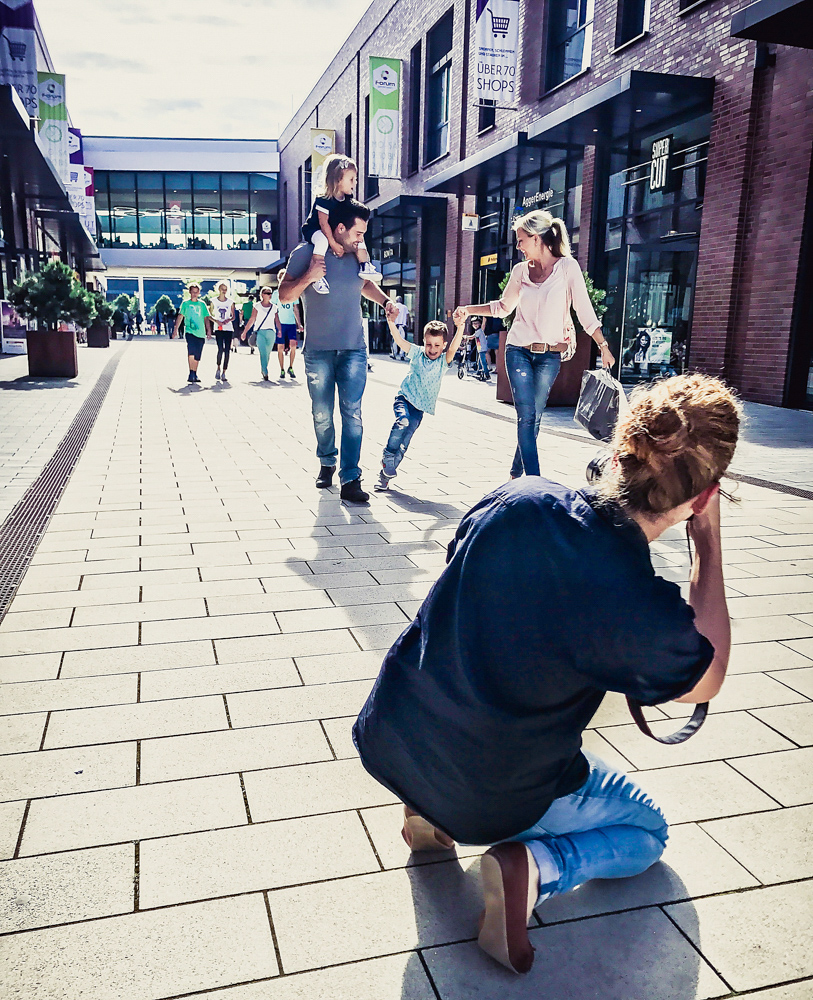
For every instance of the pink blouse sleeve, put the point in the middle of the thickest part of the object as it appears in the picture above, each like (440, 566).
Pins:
(581, 300)
(510, 297)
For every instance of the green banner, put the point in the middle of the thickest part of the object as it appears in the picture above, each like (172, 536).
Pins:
(385, 123)
(53, 114)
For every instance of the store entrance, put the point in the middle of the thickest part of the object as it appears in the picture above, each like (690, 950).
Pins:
(657, 310)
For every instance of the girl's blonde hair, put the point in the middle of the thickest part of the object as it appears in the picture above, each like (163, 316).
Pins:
(677, 439)
(552, 231)
(333, 169)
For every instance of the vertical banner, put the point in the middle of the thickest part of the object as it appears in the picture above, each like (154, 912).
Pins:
(53, 135)
(76, 150)
(497, 51)
(384, 125)
(323, 143)
(265, 230)
(18, 51)
(14, 328)
(81, 194)
(90, 201)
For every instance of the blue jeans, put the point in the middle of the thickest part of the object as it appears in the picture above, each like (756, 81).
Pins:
(327, 372)
(531, 376)
(609, 828)
(265, 341)
(484, 363)
(407, 420)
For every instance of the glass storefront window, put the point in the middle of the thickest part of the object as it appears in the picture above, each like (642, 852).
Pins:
(206, 217)
(235, 212)
(151, 210)
(123, 210)
(263, 200)
(178, 209)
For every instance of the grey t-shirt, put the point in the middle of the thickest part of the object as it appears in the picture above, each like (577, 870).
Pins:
(332, 322)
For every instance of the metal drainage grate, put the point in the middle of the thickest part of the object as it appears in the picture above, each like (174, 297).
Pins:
(21, 531)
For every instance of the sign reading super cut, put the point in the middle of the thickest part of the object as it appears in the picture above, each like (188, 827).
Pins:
(497, 50)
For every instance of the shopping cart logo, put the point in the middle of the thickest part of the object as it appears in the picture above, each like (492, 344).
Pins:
(16, 50)
(499, 25)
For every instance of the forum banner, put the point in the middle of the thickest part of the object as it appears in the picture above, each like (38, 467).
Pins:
(18, 51)
(497, 42)
(384, 124)
(323, 143)
(53, 134)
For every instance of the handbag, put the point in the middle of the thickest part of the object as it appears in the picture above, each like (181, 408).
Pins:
(252, 337)
(601, 401)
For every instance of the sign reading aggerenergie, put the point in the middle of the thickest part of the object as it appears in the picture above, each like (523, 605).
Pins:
(660, 164)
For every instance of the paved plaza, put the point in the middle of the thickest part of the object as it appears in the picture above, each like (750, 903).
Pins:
(183, 812)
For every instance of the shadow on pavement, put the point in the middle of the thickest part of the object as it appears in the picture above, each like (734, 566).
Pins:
(27, 383)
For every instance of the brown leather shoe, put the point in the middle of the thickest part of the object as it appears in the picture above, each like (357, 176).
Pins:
(420, 835)
(510, 883)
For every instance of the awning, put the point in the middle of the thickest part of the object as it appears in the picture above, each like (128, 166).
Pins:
(781, 22)
(463, 177)
(633, 102)
(406, 206)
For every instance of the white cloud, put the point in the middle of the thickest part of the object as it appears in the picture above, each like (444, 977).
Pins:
(192, 67)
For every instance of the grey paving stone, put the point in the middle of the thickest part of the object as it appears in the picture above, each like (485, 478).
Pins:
(795, 991)
(262, 856)
(379, 637)
(278, 646)
(296, 600)
(328, 565)
(134, 722)
(384, 824)
(692, 792)
(140, 579)
(59, 639)
(625, 956)
(11, 819)
(769, 627)
(222, 627)
(61, 772)
(741, 691)
(787, 776)
(285, 566)
(232, 750)
(67, 887)
(48, 583)
(339, 732)
(145, 611)
(613, 711)
(798, 680)
(397, 977)
(793, 721)
(732, 734)
(75, 599)
(24, 621)
(46, 696)
(781, 604)
(776, 846)
(234, 590)
(342, 617)
(123, 814)
(315, 581)
(138, 658)
(328, 668)
(145, 955)
(363, 917)
(190, 682)
(21, 733)
(803, 646)
(308, 789)
(758, 656)
(380, 594)
(755, 938)
(36, 667)
(315, 701)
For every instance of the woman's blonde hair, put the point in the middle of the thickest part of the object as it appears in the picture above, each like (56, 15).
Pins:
(333, 170)
(552, 231)
(677, 439)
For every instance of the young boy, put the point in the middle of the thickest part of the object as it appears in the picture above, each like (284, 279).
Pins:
(419, 390)
(195, 314)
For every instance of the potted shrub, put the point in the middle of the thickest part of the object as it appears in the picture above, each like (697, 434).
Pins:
(99, 329)
(52, 296)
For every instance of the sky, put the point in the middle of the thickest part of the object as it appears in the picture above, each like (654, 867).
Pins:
(192, 68)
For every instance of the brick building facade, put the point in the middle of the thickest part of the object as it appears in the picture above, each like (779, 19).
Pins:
(713, 272)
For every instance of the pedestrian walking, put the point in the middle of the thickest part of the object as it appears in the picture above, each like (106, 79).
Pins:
(139, 319)
(542, 289)
(419, 391)
(401, 322)
(481, 341)
(479, 732)
(335, 351)
(262, 320)
(221, 311)
(340, 176)
(289, 326)
(195, 316)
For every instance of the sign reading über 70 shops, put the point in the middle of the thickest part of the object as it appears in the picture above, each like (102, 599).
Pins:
(497, 51)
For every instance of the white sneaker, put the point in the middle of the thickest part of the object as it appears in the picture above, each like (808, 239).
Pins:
(369, 273)
(321, 286)
(382, 483)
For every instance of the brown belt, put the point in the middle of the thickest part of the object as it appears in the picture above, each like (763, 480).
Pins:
(544, 348)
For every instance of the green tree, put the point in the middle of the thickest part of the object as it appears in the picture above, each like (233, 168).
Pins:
(51, 296)
(122, 301)
(165, 309)
(104, 309)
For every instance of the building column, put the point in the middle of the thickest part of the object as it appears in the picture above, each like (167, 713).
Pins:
(141, 296)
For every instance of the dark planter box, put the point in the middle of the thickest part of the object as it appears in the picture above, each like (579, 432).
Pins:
(98, 335)
(52, 354)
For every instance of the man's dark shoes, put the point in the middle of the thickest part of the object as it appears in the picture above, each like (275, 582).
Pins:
(353, 493)
(510, 884)
(325, 477)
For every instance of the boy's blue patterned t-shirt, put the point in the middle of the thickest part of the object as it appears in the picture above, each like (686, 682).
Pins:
(422, 383)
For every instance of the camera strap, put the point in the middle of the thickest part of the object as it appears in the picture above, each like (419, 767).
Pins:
(691, 727)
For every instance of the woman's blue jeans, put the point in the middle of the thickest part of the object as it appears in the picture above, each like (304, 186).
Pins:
(531, 376)
(345, 373)
(265, 342)
(407, 420)
(609, 828)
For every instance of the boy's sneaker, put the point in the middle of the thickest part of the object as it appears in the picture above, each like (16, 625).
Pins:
(223, 377)
(383, 482)
(321, 287)
(369, 273)
(217, 375)
(191, 377)
(195, 377)
(282, 373)
(291, 373)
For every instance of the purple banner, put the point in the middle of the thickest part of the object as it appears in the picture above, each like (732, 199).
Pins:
(75, 148)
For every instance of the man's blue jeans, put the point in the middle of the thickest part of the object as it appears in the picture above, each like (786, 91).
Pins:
(531, 376)
(609, 828)
(407, 420)
(327, 372)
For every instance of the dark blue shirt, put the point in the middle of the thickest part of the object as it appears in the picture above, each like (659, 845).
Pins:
(548, 601)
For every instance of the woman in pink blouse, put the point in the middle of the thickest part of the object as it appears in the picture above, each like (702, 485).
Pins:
(542, 289)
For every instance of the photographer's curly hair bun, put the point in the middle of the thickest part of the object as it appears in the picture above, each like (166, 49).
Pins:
(677, 439)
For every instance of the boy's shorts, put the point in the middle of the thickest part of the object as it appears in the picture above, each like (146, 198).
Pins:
(288, 332)
(194, 346)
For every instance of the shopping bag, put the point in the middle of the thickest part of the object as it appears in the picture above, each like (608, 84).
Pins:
(601, 401)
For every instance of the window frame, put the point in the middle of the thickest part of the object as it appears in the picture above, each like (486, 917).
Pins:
(623, 7)
(415, 78)
(585, 26)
